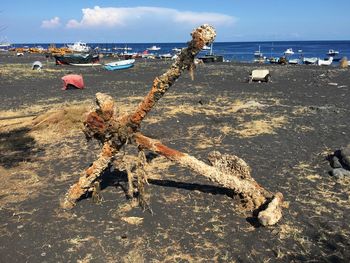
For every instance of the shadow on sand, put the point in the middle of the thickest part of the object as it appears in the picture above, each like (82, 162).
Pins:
(17, 146)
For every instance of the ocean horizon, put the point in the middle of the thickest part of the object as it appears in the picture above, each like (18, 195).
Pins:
(232, 51)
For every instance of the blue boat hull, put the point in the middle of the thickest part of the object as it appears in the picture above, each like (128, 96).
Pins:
(108, 67)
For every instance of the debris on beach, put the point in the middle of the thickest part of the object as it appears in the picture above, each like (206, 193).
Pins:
(260, 75)
(73, 80)
(344, 62)
(115, 131)
(37, 65)
(340, 162)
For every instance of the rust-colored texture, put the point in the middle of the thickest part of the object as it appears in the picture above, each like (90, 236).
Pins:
(106, 125)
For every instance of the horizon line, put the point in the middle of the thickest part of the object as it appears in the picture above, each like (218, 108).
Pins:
(249, 41)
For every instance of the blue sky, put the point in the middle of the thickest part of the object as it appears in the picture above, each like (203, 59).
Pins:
(43, 21)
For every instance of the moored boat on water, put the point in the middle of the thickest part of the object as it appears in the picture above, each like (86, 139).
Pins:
(332, 52)
(153, 48)
(289, 52)
(206, 47)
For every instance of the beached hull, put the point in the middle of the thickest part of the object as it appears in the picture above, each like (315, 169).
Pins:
(212, 58)
(322, 62)
(76, 59)
(86, 64)
(123, 64)
(310, 61)
(118, 67)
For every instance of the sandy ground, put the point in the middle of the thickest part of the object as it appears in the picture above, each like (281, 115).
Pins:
(284, 130)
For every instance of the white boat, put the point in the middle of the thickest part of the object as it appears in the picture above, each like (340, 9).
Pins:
(167, 55)
(258, 53)
(121, 64)
(259, 56)
(332, 52)
(206, 47)
(294, 61)
(4, 46)
(325, 62)
(310, 61)
(289, 52)
(79, 47)
(153, 48)
(177, 50)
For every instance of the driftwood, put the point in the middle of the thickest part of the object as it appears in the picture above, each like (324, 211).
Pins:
(114, 131)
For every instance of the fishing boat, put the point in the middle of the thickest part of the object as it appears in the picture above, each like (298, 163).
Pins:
(153, 48)
(310, 61)
(5, 45)
(177, 50)
(325, 62)
(77, 58)
(258, 53)
(166, 56)
(294, 61)
(121, 64)
(211, 57)
(289, 52)
(259, 56)
(79, 47)
(332, 52)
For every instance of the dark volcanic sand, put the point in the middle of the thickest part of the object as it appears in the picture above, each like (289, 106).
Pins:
(193, 220)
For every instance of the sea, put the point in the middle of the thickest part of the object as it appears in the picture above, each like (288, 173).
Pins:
(233, 51)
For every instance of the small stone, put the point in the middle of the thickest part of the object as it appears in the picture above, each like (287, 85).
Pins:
(346, 150)
(340, 173)
(335, 162)
(346, 161)
(345, 154)
(337, 173)
(345, 171)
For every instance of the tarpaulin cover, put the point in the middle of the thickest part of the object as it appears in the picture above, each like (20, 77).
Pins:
(74, 80)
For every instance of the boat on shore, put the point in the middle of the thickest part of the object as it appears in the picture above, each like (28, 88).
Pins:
(325, 62)
(5, 46)
(211, 57)
(79, 47)
(310, 61)
(121, 64)
(294, 61)
(166, 56)
(77, 59)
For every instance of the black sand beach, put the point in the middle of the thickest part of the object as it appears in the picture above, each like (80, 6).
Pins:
(284, 130)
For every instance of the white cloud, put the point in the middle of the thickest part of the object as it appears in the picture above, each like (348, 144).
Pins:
(52, 23)
(114, 16)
